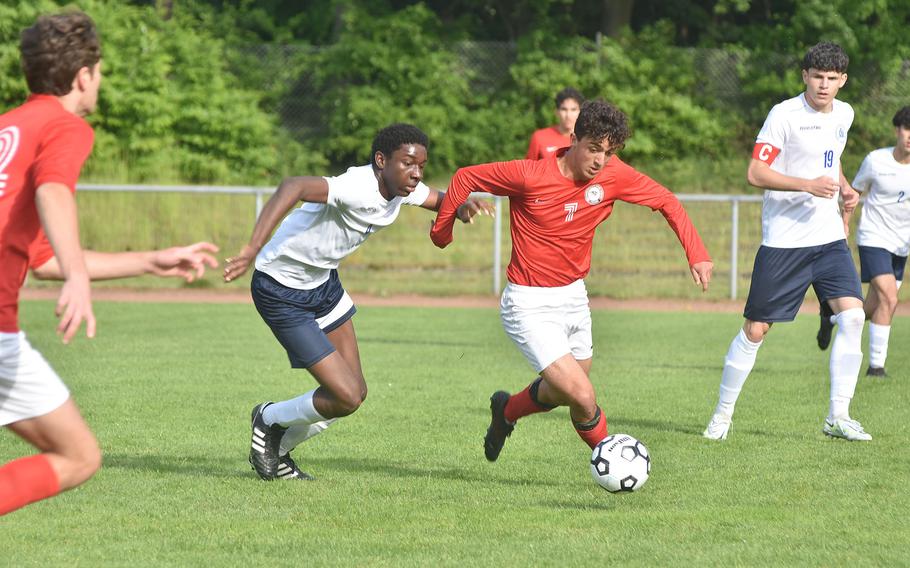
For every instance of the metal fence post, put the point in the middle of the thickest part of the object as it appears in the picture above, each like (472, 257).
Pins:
(258, 203)
(734, 246)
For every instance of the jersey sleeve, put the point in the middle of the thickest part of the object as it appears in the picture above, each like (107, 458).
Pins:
(59, 159)
(497, 178)
(863, 180)
(640, 189)
(771, 138)
(345, 191)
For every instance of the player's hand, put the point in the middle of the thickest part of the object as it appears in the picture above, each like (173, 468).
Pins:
(187, 262)
(467, 210)
(850, 197)
(236, 266)
(701, 273)
(75, 306)
(822, 186)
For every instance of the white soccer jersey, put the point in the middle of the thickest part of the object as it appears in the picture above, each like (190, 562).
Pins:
(313, 239)
(885, 219)
(810, 144)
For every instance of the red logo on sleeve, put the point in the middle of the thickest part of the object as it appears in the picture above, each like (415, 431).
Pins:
(765, 152)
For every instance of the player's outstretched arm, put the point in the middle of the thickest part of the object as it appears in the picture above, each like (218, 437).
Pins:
(187, 262)
(466, 211)
(291, 191)
(57, 209)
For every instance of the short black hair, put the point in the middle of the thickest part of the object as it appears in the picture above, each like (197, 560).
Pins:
(394, 136)
(902, 118)
(826, 56)
(600, 120)
(569, 93)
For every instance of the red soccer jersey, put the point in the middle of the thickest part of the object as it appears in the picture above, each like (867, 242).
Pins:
(553, 218)
(40, 142)
(545, 142)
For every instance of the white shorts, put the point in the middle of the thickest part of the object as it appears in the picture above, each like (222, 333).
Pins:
(28, 385)
(547, 323)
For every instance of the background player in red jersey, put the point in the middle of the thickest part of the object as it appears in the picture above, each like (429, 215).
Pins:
(555, 205)
(546, 141)
(43, 144)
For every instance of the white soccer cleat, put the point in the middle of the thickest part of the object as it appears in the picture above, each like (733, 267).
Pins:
(718, 427)
(846, 428)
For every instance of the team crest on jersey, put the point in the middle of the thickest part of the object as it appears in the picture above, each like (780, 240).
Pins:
(594, 194)
(841, 133)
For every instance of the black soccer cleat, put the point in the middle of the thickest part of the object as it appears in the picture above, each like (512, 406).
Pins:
(264, 444)
(824, 325)
(499, 429)
(287, 469)
(876, 372)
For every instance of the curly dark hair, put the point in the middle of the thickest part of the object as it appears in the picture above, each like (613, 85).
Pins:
(394, 136)
(826, 56)
(55, 48)
(569, 93)
(600, 120)
(902, 118)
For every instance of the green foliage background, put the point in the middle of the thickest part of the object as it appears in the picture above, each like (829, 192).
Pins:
(185, 101)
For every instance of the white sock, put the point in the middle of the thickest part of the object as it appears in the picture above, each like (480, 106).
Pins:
(737, 366)
(846, 360)
(298, 410)
(878, 344)
(300, 433)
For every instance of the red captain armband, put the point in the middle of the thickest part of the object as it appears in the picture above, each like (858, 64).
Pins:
(764, 152)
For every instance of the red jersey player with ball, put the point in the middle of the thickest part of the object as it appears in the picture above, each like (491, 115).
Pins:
(555, 206)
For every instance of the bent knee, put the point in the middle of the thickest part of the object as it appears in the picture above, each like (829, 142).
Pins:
(853, 318)
(348, 402)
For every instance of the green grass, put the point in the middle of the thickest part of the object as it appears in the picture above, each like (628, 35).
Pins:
(168, 389)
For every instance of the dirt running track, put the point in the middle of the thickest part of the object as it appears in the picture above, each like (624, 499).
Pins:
(233, 297)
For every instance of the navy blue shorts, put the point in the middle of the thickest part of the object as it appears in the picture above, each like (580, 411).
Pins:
(874, 261)
(300, 319)
(781, 277)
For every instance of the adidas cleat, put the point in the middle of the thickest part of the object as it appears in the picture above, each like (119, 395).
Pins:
(264, 444)
(287, 469)
(500, 428)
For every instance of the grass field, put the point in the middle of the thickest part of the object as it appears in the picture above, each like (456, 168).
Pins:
(403, 482)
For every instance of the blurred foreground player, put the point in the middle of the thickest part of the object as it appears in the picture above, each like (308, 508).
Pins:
(47, 138)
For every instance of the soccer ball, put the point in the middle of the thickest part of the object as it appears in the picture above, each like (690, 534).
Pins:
(620, 463)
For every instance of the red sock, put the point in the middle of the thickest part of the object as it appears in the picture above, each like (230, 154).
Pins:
(521, 404)
(595, 431)
(25, 481)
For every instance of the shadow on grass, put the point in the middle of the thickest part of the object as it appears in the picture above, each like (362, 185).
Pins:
(194, 466)
(400, 470)
(198, 466)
